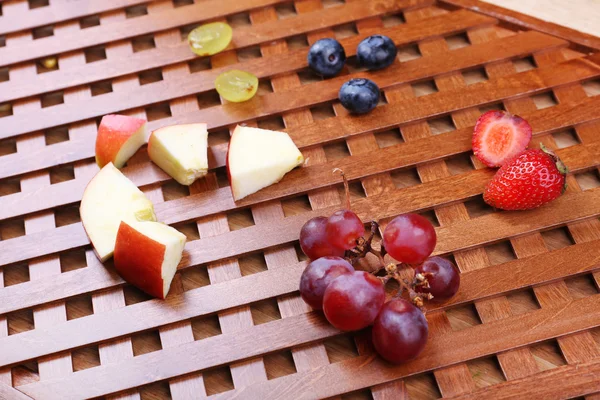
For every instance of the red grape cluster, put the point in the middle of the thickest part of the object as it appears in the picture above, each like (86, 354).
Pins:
(352, 300)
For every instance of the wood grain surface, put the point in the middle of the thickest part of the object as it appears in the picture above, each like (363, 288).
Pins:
(525, 321)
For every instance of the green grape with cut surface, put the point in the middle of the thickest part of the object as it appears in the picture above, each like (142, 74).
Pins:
(236, 85)
(210, 39)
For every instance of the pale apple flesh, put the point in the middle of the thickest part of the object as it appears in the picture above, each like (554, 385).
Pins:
(119, 137)
(108, 199)
(258, 158)
(180, 151)
(147, 255)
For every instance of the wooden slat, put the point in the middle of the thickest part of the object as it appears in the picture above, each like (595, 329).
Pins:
(578, 158)
(49, 315)
(208, 10)
(441, 350)
(265, 66)
(569, 381)
(217, 297)
(457, 378)
(110, 102)
(310, 356)
(518, 362)
(568, 310)
(372, 186)
(546, 120)
(475, 285)
(239, 320)
(96, 277)
(577, 347)
(6, 374)
(78, 149)
(9, 393)
(524, 272)
(361, 372)
(59, 12)
(121, 349)
(581, 347)
(73, 236)
(191, 386)
(525, 83)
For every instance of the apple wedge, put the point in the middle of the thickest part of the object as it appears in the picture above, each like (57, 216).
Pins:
(147, 255)
(180, 151)
(108, 199)
(119, 137)
(258, 158)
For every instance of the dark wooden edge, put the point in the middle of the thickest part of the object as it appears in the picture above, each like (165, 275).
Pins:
(584, 41)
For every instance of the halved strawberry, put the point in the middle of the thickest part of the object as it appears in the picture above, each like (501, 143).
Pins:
(499, 136)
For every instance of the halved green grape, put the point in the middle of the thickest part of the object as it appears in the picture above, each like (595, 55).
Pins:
(236, 85)
(210, 39)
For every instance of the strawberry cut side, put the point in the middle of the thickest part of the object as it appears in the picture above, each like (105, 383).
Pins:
(499, 136)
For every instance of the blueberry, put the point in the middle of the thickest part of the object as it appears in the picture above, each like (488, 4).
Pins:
(326, 57)
(376, 52)
(359, 96)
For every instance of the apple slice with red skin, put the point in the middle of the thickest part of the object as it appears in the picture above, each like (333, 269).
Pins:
(147, 254)
(258, 158)
(108, 199)
(119, 137)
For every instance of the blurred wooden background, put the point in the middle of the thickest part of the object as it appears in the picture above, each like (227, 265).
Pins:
(582, 15)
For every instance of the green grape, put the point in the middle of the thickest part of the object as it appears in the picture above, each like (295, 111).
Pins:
(236, 85)
(210, 39)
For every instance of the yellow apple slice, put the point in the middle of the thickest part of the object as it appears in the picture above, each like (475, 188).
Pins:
(119, 137)
(180, 151)
(258, 158)
(147, 255)
(108, 199)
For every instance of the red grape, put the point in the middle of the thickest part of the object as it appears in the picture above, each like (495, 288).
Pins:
(313, 240)
(442, 275)
(409, 238)
(352, 302)
(343, 228)
(400, 331)
(318, 275)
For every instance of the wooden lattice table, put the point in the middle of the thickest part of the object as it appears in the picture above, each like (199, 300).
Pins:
(524, 322)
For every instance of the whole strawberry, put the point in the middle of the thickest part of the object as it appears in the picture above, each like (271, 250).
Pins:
(529, 180)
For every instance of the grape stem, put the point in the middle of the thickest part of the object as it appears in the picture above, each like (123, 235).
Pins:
(346, 186)
(384, 279)
(421, 280)
(363, 246)
(393, 272)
